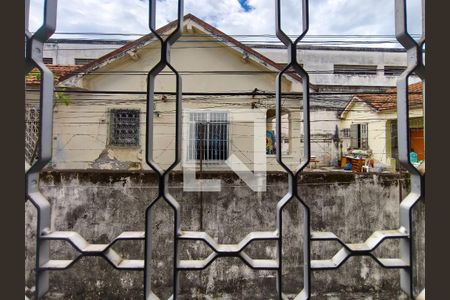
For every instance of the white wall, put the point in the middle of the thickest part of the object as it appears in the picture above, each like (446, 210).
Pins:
(64, 53)
(81, 129)
(317, 59)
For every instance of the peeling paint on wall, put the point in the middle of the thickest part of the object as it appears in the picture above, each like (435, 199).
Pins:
(107, 160)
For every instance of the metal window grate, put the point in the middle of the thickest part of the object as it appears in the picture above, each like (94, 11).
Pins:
(364, 130)
(208, 136)
(31, 132)
(124, 127)
(345, 133)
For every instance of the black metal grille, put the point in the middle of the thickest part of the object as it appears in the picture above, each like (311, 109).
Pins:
(31, 132)
(404, 263)
(124, 127)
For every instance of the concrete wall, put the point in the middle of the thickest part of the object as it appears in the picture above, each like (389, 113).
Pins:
(102, 205)
(65, 52)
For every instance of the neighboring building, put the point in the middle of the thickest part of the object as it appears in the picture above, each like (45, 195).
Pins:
(125, 66)
(32, 107)
(77, 51)
(104, 131)
(369, 122)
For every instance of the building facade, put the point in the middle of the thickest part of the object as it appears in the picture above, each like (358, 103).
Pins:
(369, 123)
(224, 65)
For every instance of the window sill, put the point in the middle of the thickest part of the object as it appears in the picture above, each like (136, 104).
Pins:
(124, 147)
(283, 155)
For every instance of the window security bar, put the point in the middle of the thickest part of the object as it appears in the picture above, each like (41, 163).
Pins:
(44, 236)
(208, 137)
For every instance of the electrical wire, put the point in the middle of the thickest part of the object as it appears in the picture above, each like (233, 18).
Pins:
(238, 93)
(349, 72)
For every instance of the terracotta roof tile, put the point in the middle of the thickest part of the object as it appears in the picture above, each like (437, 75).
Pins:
(33, 78)
(388, 100)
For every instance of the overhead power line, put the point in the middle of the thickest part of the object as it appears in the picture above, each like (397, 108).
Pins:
(241, 93)
(414, 35)
(348, 72)
(336, 39)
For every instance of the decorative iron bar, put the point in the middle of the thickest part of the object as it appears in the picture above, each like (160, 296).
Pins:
(31, 132)
(33, 58)
(415, 65)
(293, 177)
(163, 176)
(405, 262)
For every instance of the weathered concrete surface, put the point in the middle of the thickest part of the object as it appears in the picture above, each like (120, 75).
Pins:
(102, 205)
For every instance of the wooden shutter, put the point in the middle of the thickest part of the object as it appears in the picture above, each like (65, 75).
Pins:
(354, 132)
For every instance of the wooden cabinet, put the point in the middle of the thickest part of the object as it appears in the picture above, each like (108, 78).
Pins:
(357, 163)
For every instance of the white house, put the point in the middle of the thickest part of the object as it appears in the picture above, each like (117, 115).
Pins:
(107, 131)
(369, 122)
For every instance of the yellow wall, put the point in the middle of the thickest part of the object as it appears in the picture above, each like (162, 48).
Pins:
(81, 133)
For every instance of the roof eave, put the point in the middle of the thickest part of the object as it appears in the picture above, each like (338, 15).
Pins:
(150, 38)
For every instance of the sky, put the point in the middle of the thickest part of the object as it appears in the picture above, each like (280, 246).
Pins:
(234, 17)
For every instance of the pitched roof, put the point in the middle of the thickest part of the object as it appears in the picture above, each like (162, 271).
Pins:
(150, 37)
(33, 78)
(388, 100)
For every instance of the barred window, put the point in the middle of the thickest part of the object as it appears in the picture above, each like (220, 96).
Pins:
(124, 127)
(359, 134)
(345, 133)
(31, 132)
(208, 136)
